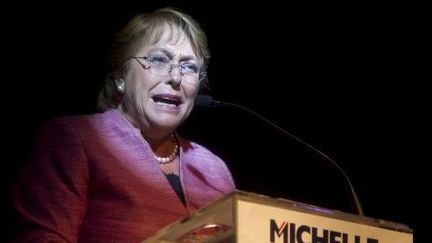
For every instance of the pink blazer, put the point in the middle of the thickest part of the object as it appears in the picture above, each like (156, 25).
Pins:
(94, 179)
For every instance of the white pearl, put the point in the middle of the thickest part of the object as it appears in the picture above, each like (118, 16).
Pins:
(170, 158)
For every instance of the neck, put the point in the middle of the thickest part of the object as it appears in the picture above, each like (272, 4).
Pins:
(156, 137)
(163, 147)
(162, 141)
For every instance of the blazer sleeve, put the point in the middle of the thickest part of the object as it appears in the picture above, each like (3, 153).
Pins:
(50, 193)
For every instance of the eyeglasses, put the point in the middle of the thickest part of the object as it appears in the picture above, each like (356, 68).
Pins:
(162, 65)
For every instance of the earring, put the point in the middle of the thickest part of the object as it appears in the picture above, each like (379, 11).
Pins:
(119, 84)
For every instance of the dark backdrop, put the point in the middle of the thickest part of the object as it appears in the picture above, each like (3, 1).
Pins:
(347, 78)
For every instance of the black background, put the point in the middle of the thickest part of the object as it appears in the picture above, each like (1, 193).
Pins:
(348, 79)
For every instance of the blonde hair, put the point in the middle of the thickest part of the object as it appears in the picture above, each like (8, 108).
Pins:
(147, 28)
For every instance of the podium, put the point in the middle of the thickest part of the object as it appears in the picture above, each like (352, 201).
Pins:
(244, 217)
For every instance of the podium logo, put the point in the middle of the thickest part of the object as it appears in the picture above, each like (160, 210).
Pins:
(291, 233)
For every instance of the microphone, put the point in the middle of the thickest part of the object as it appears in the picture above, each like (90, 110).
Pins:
(206, 101)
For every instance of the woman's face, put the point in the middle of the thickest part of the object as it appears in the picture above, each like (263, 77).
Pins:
(156, 98)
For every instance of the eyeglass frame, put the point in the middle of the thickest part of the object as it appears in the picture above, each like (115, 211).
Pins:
(201, 74)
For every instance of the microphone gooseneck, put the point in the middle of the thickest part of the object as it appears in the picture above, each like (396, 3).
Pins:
(208, 101)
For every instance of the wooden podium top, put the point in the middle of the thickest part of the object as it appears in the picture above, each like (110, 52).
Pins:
(248, 217)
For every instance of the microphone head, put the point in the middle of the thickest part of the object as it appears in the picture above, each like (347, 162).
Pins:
(205, 101)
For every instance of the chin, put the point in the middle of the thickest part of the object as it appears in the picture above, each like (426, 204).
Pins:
(167, 123)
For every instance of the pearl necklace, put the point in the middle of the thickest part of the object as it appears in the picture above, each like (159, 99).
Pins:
(170, 158)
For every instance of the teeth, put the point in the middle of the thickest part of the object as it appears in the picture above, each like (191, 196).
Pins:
(164, 101)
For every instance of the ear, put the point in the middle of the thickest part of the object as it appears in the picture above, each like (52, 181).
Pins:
(119, 84)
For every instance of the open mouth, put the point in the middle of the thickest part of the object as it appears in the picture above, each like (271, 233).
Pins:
(166, 99)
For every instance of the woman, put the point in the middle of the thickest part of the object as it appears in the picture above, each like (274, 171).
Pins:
(120, 175)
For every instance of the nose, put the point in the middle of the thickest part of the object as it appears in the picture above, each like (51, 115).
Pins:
(176, 75)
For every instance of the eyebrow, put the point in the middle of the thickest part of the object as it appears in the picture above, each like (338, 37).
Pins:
(171, 55)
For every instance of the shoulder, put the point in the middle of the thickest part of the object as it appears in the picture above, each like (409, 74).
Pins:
(87, 124)
(79, 120)
(68, 121)
(65, 130)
